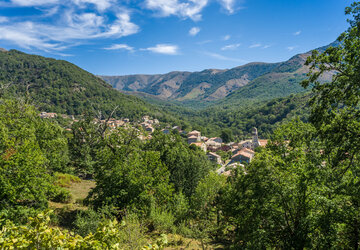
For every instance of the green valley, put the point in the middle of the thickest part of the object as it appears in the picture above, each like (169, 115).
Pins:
(260, 156)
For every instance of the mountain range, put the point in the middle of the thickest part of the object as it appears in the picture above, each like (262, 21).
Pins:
(222, 98)
(253, 81)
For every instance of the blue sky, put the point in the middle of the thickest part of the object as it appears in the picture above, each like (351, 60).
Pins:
(118, 37)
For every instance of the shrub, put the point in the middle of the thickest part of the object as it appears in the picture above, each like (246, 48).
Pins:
(162, 220)
(58, 194)
(87, 222)
(38, 234)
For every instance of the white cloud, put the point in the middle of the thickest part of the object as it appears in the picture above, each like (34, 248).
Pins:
(166, 49)
(121, 27)
(297, 33)
(227, 37)
(194, 31)
(74, 29)
(204, 42)
(27, 39)
(291, 48)
(228, 5)
(231, 46)
(186, 8)
(120, 47)
(183, 8)
(255, 45)
(65, 23)
(3, 19)
(100, 4)
(224, 58)
(34, 2)
(48, 12)
(266, 46)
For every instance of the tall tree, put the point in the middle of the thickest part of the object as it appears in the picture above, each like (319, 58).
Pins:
(187, 165)
(127, 177)
(336, 116)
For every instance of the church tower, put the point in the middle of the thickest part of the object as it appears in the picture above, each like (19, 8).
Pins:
(255, 138)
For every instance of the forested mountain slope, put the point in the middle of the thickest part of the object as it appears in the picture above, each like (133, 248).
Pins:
(207, 85)
(259, 81)
(59, 86)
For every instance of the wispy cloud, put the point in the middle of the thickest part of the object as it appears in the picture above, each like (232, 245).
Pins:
(266, 46)
(184, 9)
(3, 19)
(231, 46)
(204, 42)
(291, 48)
(166, 49)
(255, 45)
(71, 30)
(120, 47)
(194, 31)
(34, 2)
(297, 33)
(60, 24)
(224, 58)
(101, 5)
(228, 5)
(227, 37)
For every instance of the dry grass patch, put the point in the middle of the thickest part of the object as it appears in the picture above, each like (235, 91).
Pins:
(79, 190)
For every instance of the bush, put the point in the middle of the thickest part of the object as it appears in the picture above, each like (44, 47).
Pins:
(162, 220)
(86, 222)
(58, 194)
(38, 234)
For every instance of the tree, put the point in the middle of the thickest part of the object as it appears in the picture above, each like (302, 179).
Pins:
(205, 207)
(227, 135)
(303, 189)
(336, 116)
(274, 203)
(27, 157)
(127, 177)
(187, 165)
(84, 143)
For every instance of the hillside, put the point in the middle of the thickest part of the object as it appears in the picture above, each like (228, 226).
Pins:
(207, 85)
(62, 87)
(281, 82)
(250, 82)
(266, 115)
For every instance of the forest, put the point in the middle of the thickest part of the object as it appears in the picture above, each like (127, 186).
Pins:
(301, 191)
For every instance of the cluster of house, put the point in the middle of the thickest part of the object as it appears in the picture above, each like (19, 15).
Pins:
(48, 115)
(148, 124)
(242, 152)
(167, 130)
(113, 123)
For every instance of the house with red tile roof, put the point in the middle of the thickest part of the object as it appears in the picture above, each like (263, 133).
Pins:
(245, 155)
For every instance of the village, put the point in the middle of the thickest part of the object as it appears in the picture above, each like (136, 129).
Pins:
(241, 153)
